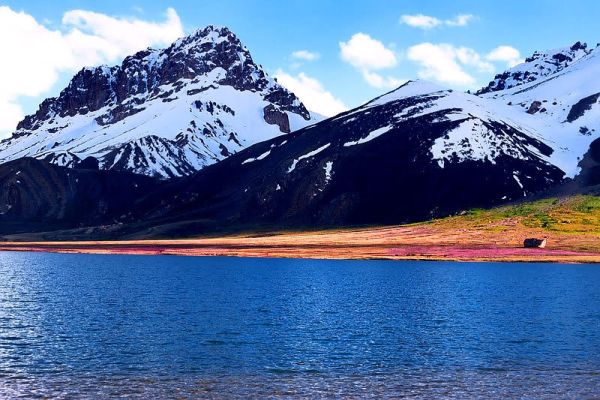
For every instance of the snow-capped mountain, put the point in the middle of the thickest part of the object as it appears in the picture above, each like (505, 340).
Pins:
(554, 94)
(163, 112)
(418, 152)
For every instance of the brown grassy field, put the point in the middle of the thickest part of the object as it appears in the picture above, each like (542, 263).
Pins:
(571, 224)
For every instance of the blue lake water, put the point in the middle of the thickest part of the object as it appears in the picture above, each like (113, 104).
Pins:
(88, 326)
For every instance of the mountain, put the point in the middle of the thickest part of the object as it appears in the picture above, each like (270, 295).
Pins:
(555, 94)
(418, 152)
(162, 113)
(413, 154)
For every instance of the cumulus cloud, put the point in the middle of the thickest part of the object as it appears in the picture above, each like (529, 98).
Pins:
(470, 57)
(362, 51)
(445, 62)
(378, 81)
(367, 55)
(306, 55)
(507, 54)
(311, 92)
(34, 55)
(10, 114)
(427, 22)
(111, 38)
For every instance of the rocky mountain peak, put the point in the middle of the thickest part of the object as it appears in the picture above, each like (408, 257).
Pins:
(201, 79)
(212, 50)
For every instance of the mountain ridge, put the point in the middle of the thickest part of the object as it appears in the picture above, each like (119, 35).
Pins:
(415, 153)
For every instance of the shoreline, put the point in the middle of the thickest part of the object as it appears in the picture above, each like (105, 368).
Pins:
(234, 247)
(571, 226)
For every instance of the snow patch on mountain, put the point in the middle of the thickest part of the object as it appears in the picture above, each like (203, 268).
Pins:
(260, 157)
(305, 156)
(328, 170)
(372, 135)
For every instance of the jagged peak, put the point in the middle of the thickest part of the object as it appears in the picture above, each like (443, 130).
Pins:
(220, 30)
(560, 54)
(197, 49)
(191, 43)
(210, 34)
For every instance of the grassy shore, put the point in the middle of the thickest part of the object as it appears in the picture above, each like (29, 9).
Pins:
(571, 224)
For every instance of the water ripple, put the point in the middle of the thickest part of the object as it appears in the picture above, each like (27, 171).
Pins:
(90, 326)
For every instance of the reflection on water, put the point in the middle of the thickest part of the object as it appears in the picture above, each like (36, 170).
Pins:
(90, 326)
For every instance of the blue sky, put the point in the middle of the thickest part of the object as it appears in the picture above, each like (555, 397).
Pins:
(346, 51)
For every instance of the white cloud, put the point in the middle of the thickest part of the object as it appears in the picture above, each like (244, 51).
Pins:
(507, 54)
(420, 21)
(311, 93)
(427, 22)
(367, 55)
(470, 57)
(10, 114)
(444, 63)
(306, 55)
(378, 81)
(364, 52)
(111, 38)
(34, 56)
(460, 20)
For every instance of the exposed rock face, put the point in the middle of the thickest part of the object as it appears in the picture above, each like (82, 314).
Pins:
(583, 105)
(534, 107)
(276, 117)
(590, 167)
(190, 99)
(89, 163)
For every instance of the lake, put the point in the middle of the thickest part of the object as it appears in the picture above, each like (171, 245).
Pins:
(100, 326)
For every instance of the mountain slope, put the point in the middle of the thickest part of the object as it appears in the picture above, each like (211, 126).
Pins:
(161, 113)
(537, 67)
(37, 196)
(413, 154)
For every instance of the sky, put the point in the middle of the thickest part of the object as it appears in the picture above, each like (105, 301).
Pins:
(333, 54)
